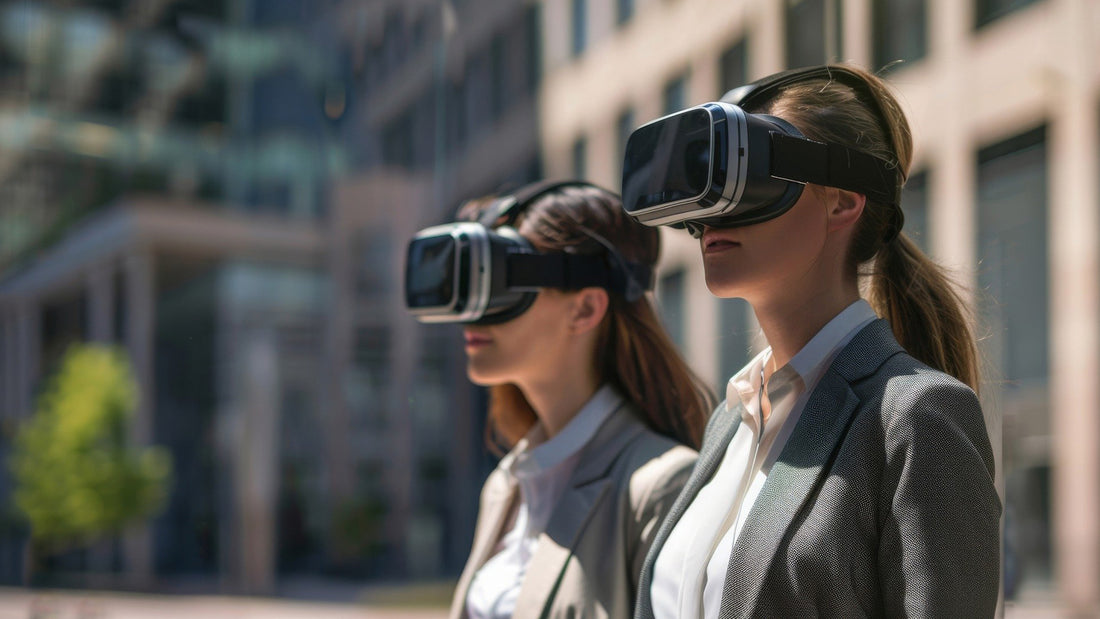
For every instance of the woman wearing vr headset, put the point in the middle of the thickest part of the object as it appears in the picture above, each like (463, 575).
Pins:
(849, 472)
(591, 397)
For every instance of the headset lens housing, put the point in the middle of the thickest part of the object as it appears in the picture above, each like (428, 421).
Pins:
(447, 276)
(668, 161)
(717, 165)
(431, 284)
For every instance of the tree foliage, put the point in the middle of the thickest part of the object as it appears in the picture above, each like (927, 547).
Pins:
(77, 475)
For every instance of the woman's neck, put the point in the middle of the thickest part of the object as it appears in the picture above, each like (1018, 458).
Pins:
(790, 323)
(557, 399)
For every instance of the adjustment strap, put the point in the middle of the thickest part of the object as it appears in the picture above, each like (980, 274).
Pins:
(509, 206)
(832, 165)
(571, 272)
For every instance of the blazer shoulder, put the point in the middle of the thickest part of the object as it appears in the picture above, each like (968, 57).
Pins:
(922, 407)
(908, 385)
(651, 452)
(657, 465)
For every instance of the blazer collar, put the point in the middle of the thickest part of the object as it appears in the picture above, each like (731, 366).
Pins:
(802, 463)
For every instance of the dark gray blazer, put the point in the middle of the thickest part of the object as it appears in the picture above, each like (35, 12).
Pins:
(881, 504)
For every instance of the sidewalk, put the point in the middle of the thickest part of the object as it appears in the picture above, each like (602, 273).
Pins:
(27, 604)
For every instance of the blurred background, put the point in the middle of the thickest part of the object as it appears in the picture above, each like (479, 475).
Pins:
(223, 190)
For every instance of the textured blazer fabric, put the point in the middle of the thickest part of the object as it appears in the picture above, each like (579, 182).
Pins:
(587, 562)
(881, 504)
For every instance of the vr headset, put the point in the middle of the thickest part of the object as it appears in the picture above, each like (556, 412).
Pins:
(717, 165)
(484, 273)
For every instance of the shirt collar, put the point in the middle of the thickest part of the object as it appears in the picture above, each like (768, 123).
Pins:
(809, 363)
(535, 454)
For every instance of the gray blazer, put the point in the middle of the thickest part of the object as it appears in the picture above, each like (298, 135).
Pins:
(587, 562)
(881, 504)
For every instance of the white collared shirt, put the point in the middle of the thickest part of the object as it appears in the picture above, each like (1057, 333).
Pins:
(690, 573)
(541, 468)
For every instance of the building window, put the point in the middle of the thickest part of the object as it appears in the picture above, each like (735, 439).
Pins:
(987, 11)
(373, 253)
(367, 387)
(670, 294)
(624, 126)
(624, 10)
(1013, 300)
(900, 31)
(733, 339)
(498, 74)
(813, 30)
(454, 131)
(914, 203)
(580, 157)
(478, 81)
(580, 26)
(533, 39)
(397, 142)
(675, 96)
(733, 67)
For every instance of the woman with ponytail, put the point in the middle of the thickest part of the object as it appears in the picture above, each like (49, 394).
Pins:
(598, 413)
(849, 472)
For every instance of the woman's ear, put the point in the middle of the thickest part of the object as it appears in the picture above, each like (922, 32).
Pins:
(845, 210)
(588, 309)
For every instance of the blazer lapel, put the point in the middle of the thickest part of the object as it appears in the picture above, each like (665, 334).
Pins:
(587, 487)
(723, 425)
(800, 466)
(555, 546)
(499, 502)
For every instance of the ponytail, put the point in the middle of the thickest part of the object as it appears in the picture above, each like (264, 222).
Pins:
(924, 309)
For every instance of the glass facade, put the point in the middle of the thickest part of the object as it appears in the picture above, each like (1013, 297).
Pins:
(580, 158)
(733, 67)
(671, 295)
(675, 94)
(988, 11)
(624, 10)
(734, 340)
(900, 31)
(624, 126)
(914, 203)
(579, 40)
(813, 32)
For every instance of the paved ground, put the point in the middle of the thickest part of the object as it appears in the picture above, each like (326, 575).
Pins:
(23, 604)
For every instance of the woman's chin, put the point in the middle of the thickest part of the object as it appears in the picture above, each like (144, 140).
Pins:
(723, 287)
(481, 377)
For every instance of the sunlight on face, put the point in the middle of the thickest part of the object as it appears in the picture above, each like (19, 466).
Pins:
(524, 348)
(767, 258)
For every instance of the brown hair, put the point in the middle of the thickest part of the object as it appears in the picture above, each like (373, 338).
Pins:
(634, 353)
(907, 288)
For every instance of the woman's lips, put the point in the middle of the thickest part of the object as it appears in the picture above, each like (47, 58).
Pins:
(714, 243)
(477, 340)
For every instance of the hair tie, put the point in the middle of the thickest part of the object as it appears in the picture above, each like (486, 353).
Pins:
(896, 219)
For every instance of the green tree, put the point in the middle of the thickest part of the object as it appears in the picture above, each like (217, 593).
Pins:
(77, 475)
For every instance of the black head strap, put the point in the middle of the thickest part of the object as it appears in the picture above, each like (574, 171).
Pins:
(510, 206)
(575, 271)
(832, 165)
